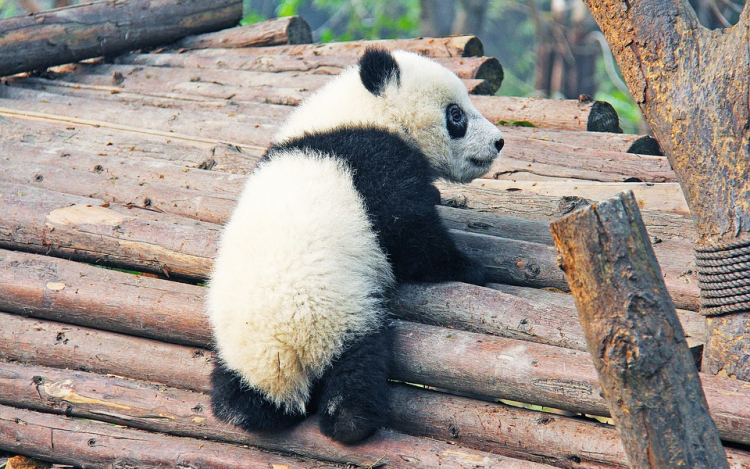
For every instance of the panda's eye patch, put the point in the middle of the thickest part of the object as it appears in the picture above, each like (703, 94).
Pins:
(456, 121)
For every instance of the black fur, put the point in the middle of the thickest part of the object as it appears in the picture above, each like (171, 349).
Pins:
(376, 67)
(234, 402)
(456, 121)
(396, 183)
(354, 399)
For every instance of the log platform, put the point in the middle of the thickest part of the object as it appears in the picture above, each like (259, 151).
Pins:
(118, 174)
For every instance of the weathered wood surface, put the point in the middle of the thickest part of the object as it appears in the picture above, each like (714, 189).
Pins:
(666, 197)
(481, 68)
(635, 338)
(273, 32)
(40, 40)
(143, 238)
(478, 364)
(61, 290)
(89, 443)
(452, 46)
(518, 432)
(170, 410)
(479, 196)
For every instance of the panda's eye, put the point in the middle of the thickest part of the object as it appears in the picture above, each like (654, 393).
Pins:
(456, 121)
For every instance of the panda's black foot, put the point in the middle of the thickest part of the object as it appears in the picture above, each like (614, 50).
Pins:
(355, 397)
(349, 421)
(238, 404)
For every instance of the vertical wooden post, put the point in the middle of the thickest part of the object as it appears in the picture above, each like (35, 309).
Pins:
(635, 338)
(693, 86)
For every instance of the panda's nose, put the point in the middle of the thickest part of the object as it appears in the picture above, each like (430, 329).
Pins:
(499, 144)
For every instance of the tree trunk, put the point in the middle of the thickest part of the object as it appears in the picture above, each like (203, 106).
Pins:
(693, 86)
(635, 339)
(437, 17)
(106, 28)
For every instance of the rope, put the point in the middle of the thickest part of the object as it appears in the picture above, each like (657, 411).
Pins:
(724, 277)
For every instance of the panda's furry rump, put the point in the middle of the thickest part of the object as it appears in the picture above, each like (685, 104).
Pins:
(297, 277)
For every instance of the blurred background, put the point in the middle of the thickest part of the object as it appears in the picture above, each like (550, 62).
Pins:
(548, 48)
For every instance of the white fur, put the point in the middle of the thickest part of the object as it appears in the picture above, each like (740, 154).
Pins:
(414, 108)
(298, 273)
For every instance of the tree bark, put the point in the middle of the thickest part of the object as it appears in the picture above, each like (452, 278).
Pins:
(273, 32)
(693, 86)
(85, 31)
(635, 339)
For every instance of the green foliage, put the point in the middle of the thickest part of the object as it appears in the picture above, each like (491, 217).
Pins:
(252, 18)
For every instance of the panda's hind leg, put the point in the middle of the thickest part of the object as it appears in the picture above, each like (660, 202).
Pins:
(234, 402)
(354, 401)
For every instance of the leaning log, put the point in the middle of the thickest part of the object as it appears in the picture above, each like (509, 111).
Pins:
(635, 339)
(89, 443)
(41, 40)
(273, 32)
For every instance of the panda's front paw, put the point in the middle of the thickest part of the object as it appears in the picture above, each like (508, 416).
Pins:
(473, 272)
(350, 421)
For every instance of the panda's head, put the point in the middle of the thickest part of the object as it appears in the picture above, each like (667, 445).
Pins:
(411, 95)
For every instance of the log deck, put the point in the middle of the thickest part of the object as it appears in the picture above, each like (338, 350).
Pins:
(135, 162)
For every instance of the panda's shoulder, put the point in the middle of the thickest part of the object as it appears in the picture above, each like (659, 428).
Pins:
(365, 150)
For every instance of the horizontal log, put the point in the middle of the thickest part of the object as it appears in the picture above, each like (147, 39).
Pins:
(487, 69)
(666, 197)
(164, 409)
(558, 160)
(94, 231)
(451, 46)
(273, 32)
(61, 290)
(479, 195)
(41, 40)
(435, 356)
(482, 68)
(88, 443)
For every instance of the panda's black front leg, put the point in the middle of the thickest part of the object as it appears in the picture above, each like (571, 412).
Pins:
(234, 402)
(354, 401)
(424, 251)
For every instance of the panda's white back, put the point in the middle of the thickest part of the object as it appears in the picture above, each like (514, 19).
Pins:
(296, 275)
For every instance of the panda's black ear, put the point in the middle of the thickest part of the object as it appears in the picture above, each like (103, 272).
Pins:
(376, 67)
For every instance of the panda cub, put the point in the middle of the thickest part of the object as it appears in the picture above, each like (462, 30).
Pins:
(340, 210)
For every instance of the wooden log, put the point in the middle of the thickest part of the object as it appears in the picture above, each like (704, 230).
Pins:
(665, 197)
(487, 69)
(559, 160)
(60, 290)
(86, 295)
(89, 443)
(48, 141)
(101, 184)
(163, 409)
(479, 195)
(80, 32)
(451, 46)
(94, 231)
(273, 32)
(467, 362)
(559, 114)
(635, 339)
(496, 428)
